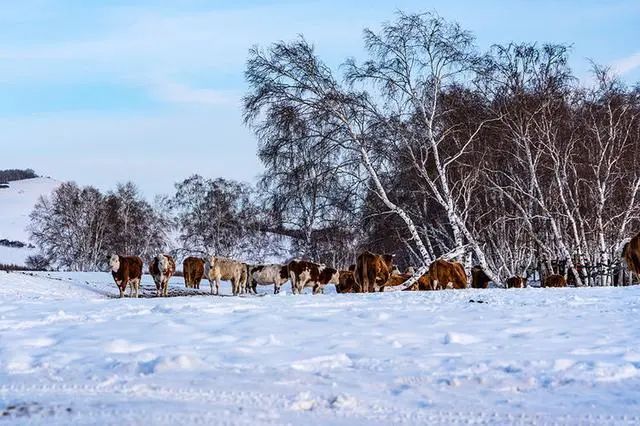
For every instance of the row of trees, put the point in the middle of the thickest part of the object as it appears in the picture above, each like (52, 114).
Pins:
(428, 147)
(9, 175)
(77, 228)
(431, 147)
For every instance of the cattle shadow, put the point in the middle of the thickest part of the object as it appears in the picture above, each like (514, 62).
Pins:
(149, 292)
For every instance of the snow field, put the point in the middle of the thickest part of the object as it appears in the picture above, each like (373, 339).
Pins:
(16, 203)
(72, 353)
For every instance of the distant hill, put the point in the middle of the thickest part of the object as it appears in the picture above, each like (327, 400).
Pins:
(11, 175)
(17, 198)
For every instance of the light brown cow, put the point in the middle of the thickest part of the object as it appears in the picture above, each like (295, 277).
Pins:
(126, 270)
(479, 278)
(162, 268)
(516, 282)
(218, 268)
(631, 255)
(445, 274)
(372, 271)
(424, 283)
(396, 280)
(303, 273)
(193, 271)
(554, 281)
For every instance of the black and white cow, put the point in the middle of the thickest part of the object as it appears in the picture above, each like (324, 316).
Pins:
(274, 273)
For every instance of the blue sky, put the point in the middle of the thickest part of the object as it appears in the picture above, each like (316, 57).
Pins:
(114, 90)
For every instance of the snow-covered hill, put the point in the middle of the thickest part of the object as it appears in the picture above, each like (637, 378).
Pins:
(16, 203)
(70, 353)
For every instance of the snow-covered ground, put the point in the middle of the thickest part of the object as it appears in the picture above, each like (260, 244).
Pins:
(72, 353)
(16, 203)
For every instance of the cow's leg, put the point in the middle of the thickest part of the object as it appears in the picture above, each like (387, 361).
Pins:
(317, 288)
(121, 291)
(242, 285)
(217, 286)
(292, 278)
(165, 287)
(132, 287)
(276, 287)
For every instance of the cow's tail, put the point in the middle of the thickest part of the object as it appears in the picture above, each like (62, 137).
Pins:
(249, 281)
(365, 278)
(244, 278)
(187, 276)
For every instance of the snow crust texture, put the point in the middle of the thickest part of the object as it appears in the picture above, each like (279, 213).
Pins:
(71, 353)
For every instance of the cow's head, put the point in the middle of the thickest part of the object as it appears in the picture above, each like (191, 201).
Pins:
(163, 262)
(388, 259)
(114, 262)
(208, 264)
(334, 276)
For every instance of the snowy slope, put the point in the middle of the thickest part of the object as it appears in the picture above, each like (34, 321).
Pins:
(72, 354)
(16, 203)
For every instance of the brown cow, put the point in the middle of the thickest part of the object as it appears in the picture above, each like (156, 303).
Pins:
(424, 283)
(631, 255)
(126, 270)
(217, 268)
(396, 280)
(479, 278)
(445, 274)
(193, 271)
(554, 281)
(346, 284)
(372, 271)
(303, 273)
(162, 268)
(516, 282)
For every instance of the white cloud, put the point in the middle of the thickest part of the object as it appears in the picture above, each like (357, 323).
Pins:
(174, 92)
(626, 65)
(141, 46)
(152, 150)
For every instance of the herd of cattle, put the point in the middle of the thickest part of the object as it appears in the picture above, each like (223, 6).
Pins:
(371, 273)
